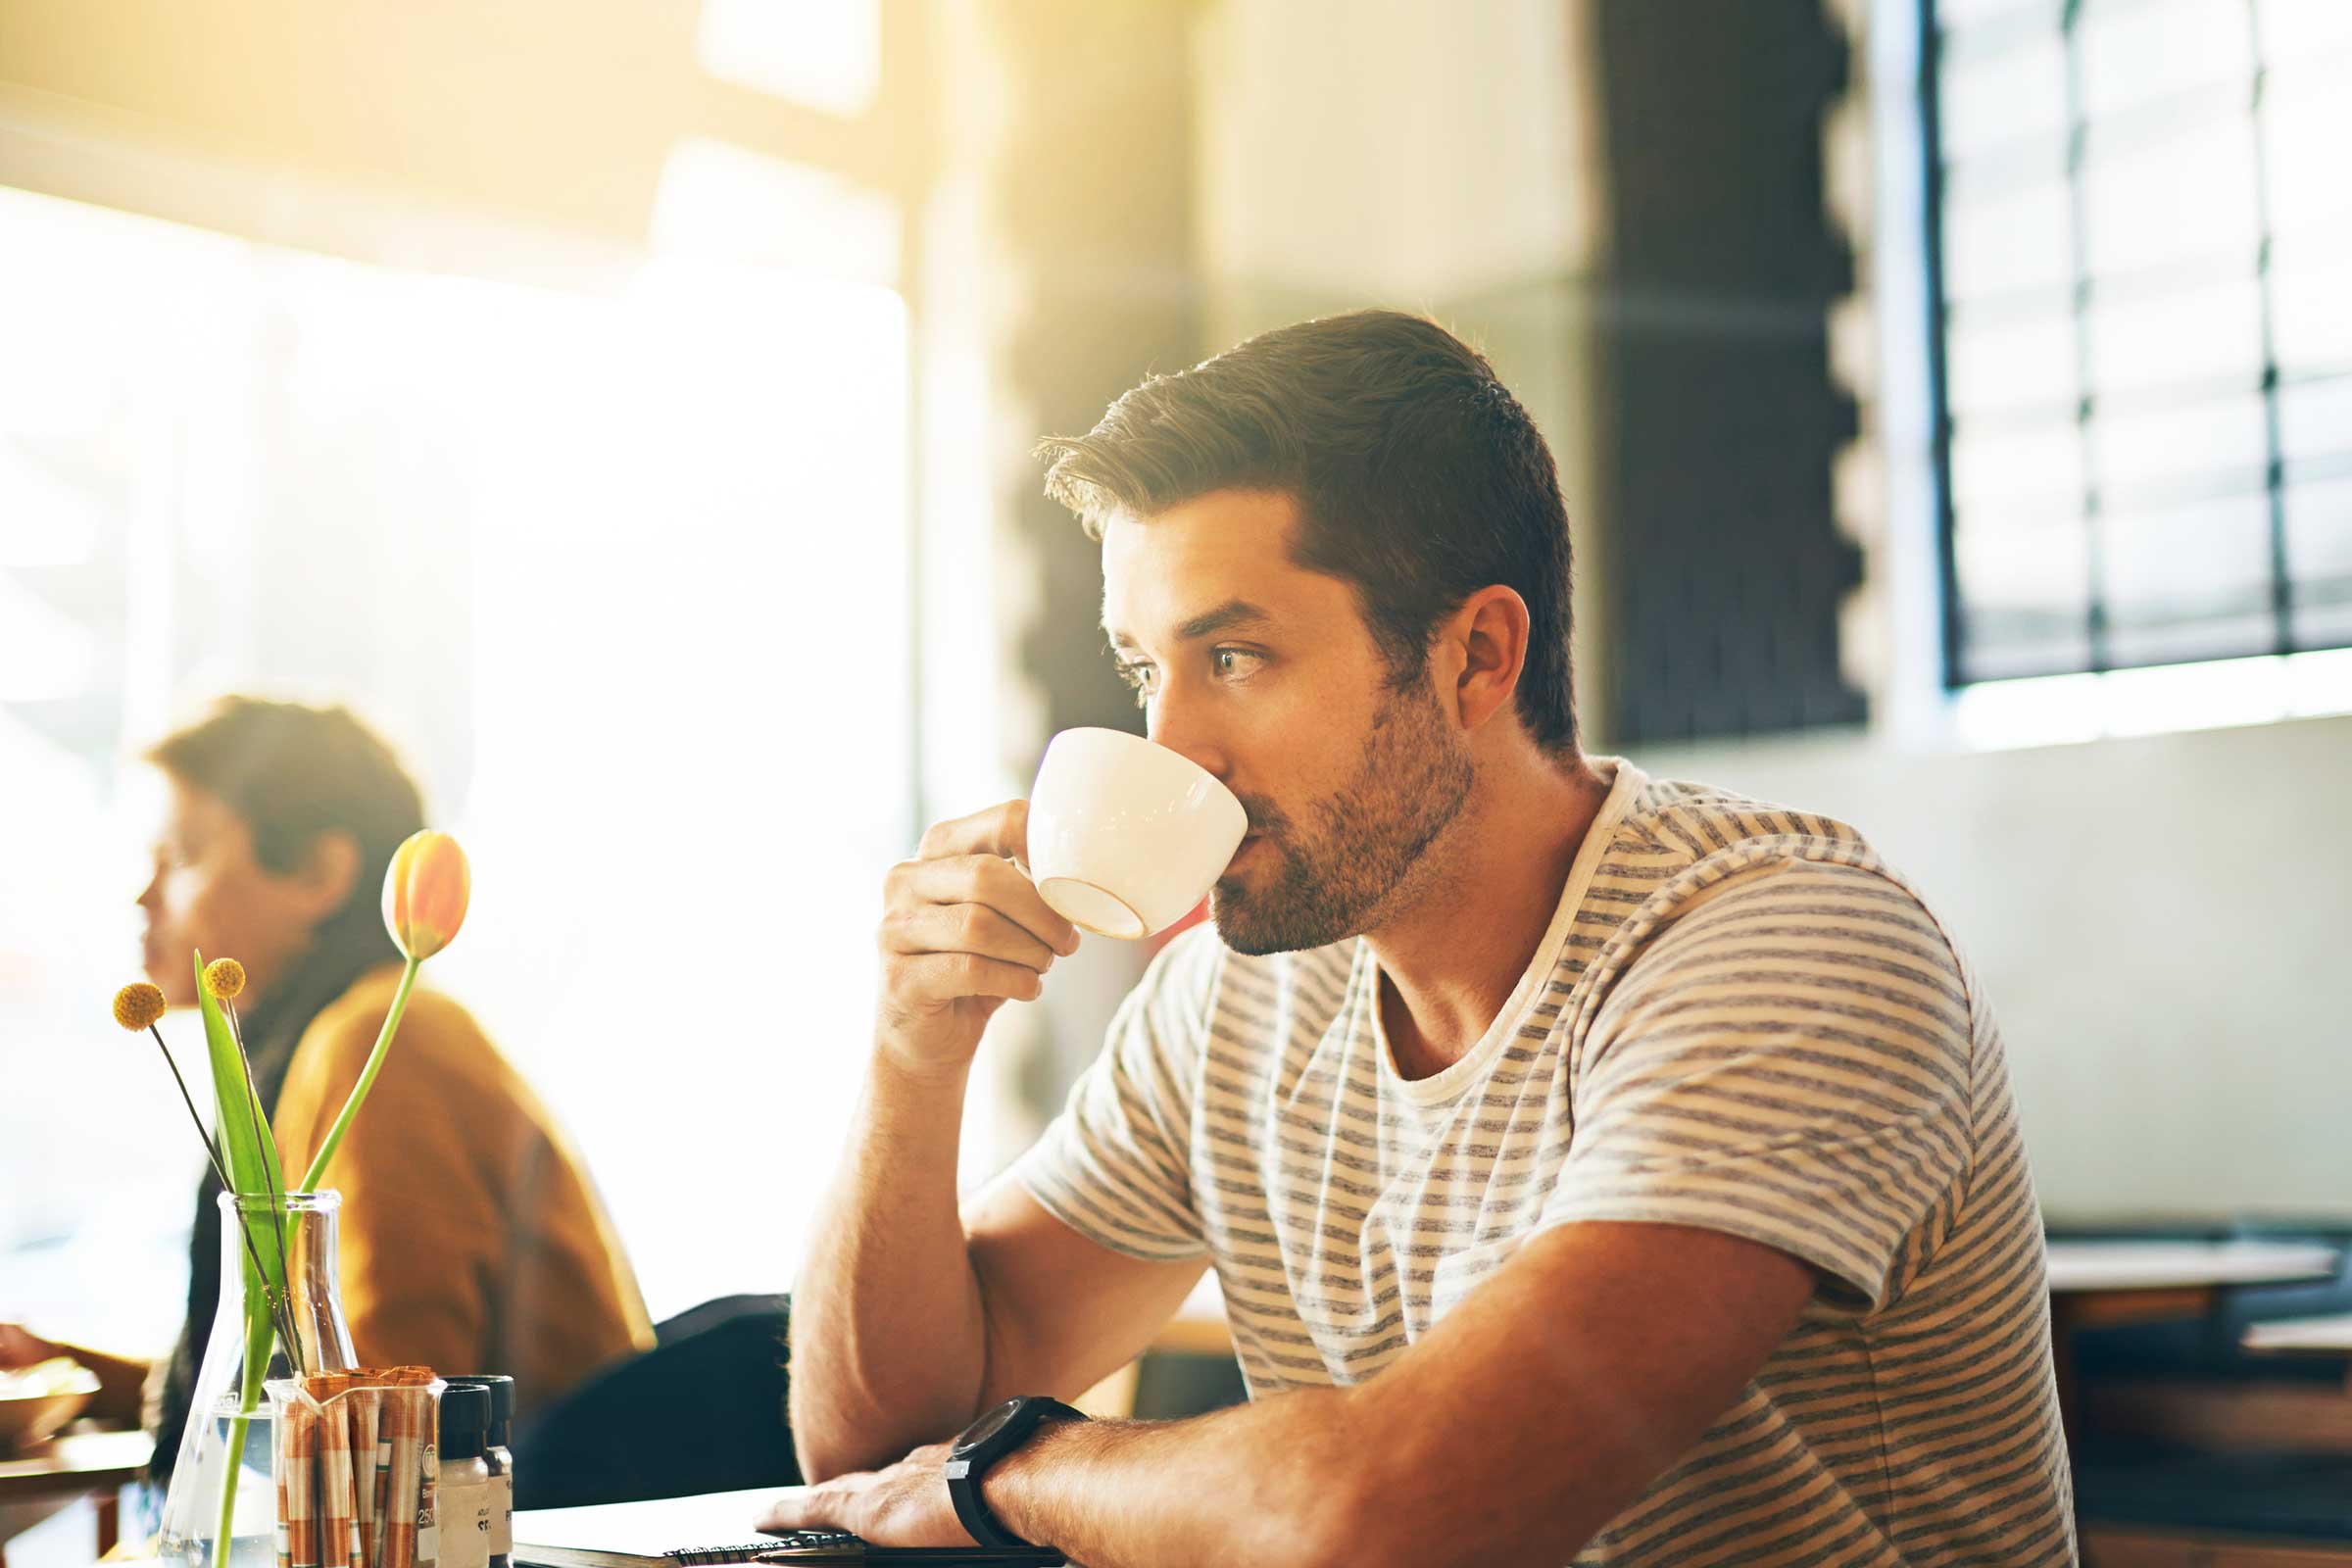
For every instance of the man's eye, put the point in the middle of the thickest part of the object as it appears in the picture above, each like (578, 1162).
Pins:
(1235, 663)
(1144, 678)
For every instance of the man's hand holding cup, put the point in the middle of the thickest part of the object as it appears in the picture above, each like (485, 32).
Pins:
(963, 932)
(1127, 836)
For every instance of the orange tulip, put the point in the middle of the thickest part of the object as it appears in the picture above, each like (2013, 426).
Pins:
(426, 889)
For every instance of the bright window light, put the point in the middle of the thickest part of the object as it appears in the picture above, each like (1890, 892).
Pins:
(2060, 709)
(826, 54)
(45, 656)
(46, 519)
(627, 572)
(721, 202)
(694, 741)
(2143, 225)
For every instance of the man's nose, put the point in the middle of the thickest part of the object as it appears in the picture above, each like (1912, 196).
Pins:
(1180, 727)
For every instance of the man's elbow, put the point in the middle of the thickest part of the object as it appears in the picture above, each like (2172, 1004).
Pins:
(1335, 1534)
(825, 1448)
(828, 1441)
(822, 1460)
(817, 1461)
(1327, 1515)
(1351, 1516)
(1365, 1535)
(1321, 1537)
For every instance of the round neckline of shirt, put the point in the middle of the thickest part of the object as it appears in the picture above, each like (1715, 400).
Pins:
(1449, 1082)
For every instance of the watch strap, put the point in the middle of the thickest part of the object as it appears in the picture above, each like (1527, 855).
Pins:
(971, 1512)
(966, 1467)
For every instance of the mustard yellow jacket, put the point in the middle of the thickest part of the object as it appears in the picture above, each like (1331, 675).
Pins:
(471, 1238)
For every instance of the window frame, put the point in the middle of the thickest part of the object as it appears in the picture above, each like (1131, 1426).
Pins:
(2097, 609)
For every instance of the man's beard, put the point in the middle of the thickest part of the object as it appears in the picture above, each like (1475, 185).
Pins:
(1345, 866)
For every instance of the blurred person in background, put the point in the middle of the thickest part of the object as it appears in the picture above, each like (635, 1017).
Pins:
(471, 1238)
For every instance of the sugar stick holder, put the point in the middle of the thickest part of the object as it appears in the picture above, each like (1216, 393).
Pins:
(355, 1463)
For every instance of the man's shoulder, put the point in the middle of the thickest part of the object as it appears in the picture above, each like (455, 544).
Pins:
(1681, 845)
(1697, 870)
(1688, 821)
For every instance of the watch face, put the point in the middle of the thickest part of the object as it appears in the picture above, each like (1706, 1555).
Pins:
(990, 1423)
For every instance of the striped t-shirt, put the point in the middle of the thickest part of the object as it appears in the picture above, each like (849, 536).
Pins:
(1739, 1020)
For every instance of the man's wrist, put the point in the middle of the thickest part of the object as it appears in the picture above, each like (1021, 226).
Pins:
(895, 1069)
(1015, 1487)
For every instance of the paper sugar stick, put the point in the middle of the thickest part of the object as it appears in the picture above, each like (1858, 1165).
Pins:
(408, 1505)
(338, 1517)
(279, 1443)
(300, 1515)
(367, 1406)
(387, 1419)
(400, 1494)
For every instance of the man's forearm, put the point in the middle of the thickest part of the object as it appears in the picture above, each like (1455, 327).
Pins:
(1496, 1437)
(1271, 1482)
(888, 1345)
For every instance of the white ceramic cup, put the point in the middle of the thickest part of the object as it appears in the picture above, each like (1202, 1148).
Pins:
(1125, 836)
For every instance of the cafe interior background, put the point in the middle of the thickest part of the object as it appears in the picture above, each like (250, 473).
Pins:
(628, 408)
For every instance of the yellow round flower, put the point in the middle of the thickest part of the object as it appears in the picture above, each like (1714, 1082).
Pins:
(224, 978)
(139, 1005)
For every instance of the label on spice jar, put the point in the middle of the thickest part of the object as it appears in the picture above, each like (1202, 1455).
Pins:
(464, 1515)
(502, 1515)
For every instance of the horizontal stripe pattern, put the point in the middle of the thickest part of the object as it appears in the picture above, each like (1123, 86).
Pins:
(1742, 1020)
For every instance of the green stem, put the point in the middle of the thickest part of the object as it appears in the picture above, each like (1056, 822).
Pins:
(311, 1178)
(258, 1332)
(211, 1151)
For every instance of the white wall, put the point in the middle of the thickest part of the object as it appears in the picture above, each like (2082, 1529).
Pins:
(1394, 149)
(2165, 928)
(1427, 156)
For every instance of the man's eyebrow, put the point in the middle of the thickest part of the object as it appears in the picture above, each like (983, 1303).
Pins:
(1227, 617)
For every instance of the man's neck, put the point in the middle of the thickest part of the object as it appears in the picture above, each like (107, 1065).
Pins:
(1450, 963)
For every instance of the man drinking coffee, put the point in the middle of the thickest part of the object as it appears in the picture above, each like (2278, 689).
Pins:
(1596, 1167)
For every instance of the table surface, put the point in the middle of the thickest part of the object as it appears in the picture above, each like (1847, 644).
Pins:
(76, 1462)
(2154, 1266)
(2333, 1333)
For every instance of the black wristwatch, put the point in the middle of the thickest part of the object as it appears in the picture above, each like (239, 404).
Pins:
(995, 1434)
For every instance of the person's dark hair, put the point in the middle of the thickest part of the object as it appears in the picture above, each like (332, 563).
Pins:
(1419, 478)
(292, 773)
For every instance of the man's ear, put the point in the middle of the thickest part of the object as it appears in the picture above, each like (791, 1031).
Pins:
(1488, 641)
(330, 870)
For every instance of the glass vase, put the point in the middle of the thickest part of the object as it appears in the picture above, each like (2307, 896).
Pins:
(221, 1509)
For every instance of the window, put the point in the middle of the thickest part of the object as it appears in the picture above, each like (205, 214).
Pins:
(2141, 350)
(627, 571)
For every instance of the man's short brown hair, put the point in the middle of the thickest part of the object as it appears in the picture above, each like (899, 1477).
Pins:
(1419, 479)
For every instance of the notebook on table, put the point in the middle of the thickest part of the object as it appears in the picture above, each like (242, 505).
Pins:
(716, 1528)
